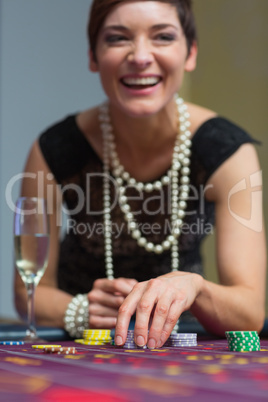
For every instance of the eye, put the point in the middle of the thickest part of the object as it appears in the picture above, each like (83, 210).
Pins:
(165, 37)
(115, 38)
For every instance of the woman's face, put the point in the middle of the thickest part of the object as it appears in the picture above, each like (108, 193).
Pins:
(141, 56)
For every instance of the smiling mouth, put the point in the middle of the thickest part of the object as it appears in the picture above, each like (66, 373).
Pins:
(140, 83)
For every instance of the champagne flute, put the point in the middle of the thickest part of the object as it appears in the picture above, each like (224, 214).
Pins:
(31, 242)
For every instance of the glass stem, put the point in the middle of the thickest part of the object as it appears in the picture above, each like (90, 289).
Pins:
(31, 332)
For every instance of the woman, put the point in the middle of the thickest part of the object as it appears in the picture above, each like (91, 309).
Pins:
(139, 174)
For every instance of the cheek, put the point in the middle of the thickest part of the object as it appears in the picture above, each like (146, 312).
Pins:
(109, 60)
(171, 64)
(108, 75)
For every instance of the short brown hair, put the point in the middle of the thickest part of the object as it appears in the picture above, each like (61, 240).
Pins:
(101, 8)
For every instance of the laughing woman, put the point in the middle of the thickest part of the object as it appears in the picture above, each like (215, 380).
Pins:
(145, 176)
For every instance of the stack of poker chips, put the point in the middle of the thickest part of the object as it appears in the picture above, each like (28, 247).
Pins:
(174, 340)
(181, 340)
(60, 350)
(56, 349)
(243, 341)
(130, 343)
(12, 343)
(95, 337)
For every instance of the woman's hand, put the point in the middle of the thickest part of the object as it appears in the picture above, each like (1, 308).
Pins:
(105, 298)
(158, 303)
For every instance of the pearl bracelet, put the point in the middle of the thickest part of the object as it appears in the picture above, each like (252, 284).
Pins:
(76, 317)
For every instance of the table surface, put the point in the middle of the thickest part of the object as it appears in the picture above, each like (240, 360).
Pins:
(208, 371)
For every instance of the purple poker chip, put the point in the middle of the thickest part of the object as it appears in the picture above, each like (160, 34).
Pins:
(183, 336)
(179, 345)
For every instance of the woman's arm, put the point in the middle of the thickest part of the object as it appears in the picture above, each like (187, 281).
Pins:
(50, 302)
(237, 303)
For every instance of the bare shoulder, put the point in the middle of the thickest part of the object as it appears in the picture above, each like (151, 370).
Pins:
(88, 124)
(199, 115)
(35, 160)
(87, 121)
(242, 169)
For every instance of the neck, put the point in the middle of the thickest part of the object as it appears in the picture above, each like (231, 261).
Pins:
(145, 134)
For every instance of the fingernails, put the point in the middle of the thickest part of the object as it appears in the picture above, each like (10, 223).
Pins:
(119, 340)
(161, 342)
(151, 343)
(140, 341)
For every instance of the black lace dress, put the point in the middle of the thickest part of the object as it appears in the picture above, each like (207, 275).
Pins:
(78, 170)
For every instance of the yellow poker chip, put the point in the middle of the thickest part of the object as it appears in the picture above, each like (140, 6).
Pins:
(97, 338)
(79, 341)
(92, 332)
(96, 334)
(45, 346)
(96, 342)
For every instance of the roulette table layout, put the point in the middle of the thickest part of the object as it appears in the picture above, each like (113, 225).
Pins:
(207, 371)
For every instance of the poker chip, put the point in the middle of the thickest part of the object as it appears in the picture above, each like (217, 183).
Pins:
(96, 337)
(94, 342)
(45, 346)
(179, 344)
(133, 346)
(107, 339)
(130, 343)
(181, 340)
(96, 333)
(243, 341)
(175, 340)
(79, 341)
(11, 343)
(241, 334)
(100, 337)
(60, 350)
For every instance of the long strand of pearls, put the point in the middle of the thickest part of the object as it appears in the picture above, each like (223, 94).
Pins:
(180, 163)
(179, 193)
(108, 253)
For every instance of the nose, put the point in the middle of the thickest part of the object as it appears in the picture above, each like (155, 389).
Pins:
(140, 54)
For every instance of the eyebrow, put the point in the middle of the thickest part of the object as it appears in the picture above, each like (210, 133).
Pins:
(154, 27)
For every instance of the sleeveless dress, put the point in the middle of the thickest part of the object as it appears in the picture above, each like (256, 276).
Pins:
(78, 170)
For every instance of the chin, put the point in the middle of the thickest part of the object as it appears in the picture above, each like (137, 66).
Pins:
(140, 109)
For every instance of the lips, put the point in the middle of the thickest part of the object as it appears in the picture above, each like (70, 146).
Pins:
(140, 82)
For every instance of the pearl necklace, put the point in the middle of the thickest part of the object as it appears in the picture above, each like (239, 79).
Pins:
(180, 162)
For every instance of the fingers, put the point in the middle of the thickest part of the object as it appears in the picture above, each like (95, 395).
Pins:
(153, 308)
(132, 282)
(146, 308)
(165, 314)
(105, 298)
(119, 285)
(158, 304)
(160, 317)
(97, 322)
(174, 313)
(125, 312)
(98, 296)
(102, 311)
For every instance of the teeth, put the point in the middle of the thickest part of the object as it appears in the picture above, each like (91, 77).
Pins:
(141, 81)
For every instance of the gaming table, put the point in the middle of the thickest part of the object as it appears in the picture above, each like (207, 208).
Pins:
(208, 371)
